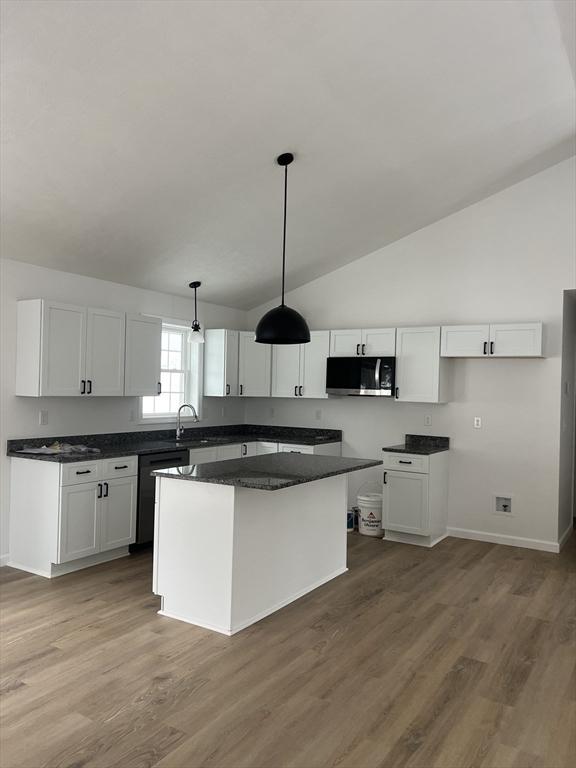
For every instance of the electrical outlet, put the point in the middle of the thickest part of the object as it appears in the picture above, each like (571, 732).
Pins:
(132, 415)
(318, 414)
(477, 422)
(427, 421)
(43, 418)
(503, 505)
(272, 412)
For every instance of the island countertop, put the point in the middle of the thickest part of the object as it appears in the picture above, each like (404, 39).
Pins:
(269, 472)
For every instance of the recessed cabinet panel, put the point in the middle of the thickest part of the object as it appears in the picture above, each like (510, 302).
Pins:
(516, 340)
(313, 358)
(465, 340)
(254, 367)
(79, 521)
(224, 452)
(379, 342)
(203, 455)
(63, 350)
(418, 364)
(405, 502)
(118, 513)
(345, 343)
(286, 369)
(105, 352)
(143, 341)
(221, 363)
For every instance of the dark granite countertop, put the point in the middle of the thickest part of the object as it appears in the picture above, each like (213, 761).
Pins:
(270, 472)
(159, 441)
(422, 445)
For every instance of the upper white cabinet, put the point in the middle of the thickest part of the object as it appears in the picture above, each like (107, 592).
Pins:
(221, 362)
(105, 332)
(254, 366)
(142, 361)
(299, 370)
(371, 342)
(494, 340)
(420, 373)
(67, 350)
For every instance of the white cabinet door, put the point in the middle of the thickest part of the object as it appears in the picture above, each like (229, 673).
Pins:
(313, 358)
(79, 521)
(379, 342)
(254, 366)
(105, 332)
(249, 449)
(203, 455)
(118, 513)
(229, 452)
(291, 448)
(465, 340)
(516, 340)
(345, 343)
(143, 340)
(221, 363)
(286, 369)
(418, 364)
(265, 447)
(63, 349)
(231, 361)
(405, 502)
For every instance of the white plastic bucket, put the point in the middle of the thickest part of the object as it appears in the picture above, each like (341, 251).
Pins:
(370, 515)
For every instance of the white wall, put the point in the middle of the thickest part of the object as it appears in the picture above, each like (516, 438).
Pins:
(70, 416)
(507, 258)
(568, 416)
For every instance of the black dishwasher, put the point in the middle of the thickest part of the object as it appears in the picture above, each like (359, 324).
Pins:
(147, 488)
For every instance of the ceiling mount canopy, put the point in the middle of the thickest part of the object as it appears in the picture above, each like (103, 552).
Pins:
(283, 325)
(195, 324)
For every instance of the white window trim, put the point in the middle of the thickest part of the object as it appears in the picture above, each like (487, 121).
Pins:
(196, 385)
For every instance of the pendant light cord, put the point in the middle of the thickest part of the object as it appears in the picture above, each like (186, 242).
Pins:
(284, 232)
(195, 308)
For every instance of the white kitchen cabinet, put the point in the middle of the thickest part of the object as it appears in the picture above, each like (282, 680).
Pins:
(142, 358)
(415, 498)
(465, 340)
(263, 447)
(494, 340)
(370, 342)
(65, 517)
(254, 369)
(323, 449)
(118, 512)
(516, 340)
(421, 376)
(105, 344)
(233, 451)
(221, 362)
(203, 455)
(299, 370)
(79, 521)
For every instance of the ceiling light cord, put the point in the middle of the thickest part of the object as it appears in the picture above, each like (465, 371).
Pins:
(284, 231)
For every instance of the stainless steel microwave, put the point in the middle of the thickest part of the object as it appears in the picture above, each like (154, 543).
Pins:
(371, 376)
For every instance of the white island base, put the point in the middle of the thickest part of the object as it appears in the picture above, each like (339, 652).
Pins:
(226, 557)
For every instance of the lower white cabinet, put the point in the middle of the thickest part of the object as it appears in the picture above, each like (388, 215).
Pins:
(323, 449)
(265, 447)
(415, 498)
(61, 513)
(203, 455)
(233, 451)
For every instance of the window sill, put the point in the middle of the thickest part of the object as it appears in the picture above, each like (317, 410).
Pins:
(166, 420)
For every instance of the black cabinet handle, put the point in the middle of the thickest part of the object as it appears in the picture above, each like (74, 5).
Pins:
(296, 391)
(159, 388)
(106, 489)
(89, 390)
(227, 389)
(384, 478)
(99, 490)
(357, 349)
(397, 392)
(485, 348)
(244, 449)
(491, 347)
(404, 462)
(241, 388)
(84, 472)
(300, 390)
(122, 466)
(363, 349)
(83, 387)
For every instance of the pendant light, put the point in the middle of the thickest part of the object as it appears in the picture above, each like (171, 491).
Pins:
(198, 336)
(283, 325)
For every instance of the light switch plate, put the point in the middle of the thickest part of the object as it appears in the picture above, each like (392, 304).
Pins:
(43, 418)
(477, 422)
(427, 421)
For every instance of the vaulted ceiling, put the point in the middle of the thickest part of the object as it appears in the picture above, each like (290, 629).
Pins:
(139, 136)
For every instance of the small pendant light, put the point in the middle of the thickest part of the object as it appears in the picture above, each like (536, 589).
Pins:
(283, 325)
(198, 336)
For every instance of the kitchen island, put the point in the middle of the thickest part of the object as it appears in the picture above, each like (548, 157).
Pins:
(237, 540)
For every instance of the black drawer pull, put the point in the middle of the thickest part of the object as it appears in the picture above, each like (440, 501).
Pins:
(89, 390)
(84, 472)
(357, 349)
(485, 348)
(122, 466)
(99, 490)
(300, 391)
(397, 392)
(227, 389)
(491, 347)
(106, 487)
(83, 387)
(241, 389)
(384, 478)
(363, 349)
(404, 462)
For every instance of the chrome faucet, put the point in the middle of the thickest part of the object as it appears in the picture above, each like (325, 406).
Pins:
(179, 427)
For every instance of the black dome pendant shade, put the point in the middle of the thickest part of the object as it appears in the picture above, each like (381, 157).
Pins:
(283, 325)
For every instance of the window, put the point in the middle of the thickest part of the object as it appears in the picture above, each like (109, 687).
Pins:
(181, 369)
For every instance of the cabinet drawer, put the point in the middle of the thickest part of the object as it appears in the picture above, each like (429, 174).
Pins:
(80, 472)
(410, 462)
(291, 448)
(121, 467)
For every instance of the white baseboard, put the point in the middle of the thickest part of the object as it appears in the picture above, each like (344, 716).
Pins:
(55, 570)
(501, 538)
(4, 560)
(566, 535)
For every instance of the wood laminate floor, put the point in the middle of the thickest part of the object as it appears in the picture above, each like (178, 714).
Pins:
(455, 657)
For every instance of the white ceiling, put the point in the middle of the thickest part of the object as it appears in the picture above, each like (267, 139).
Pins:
(140, 136)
